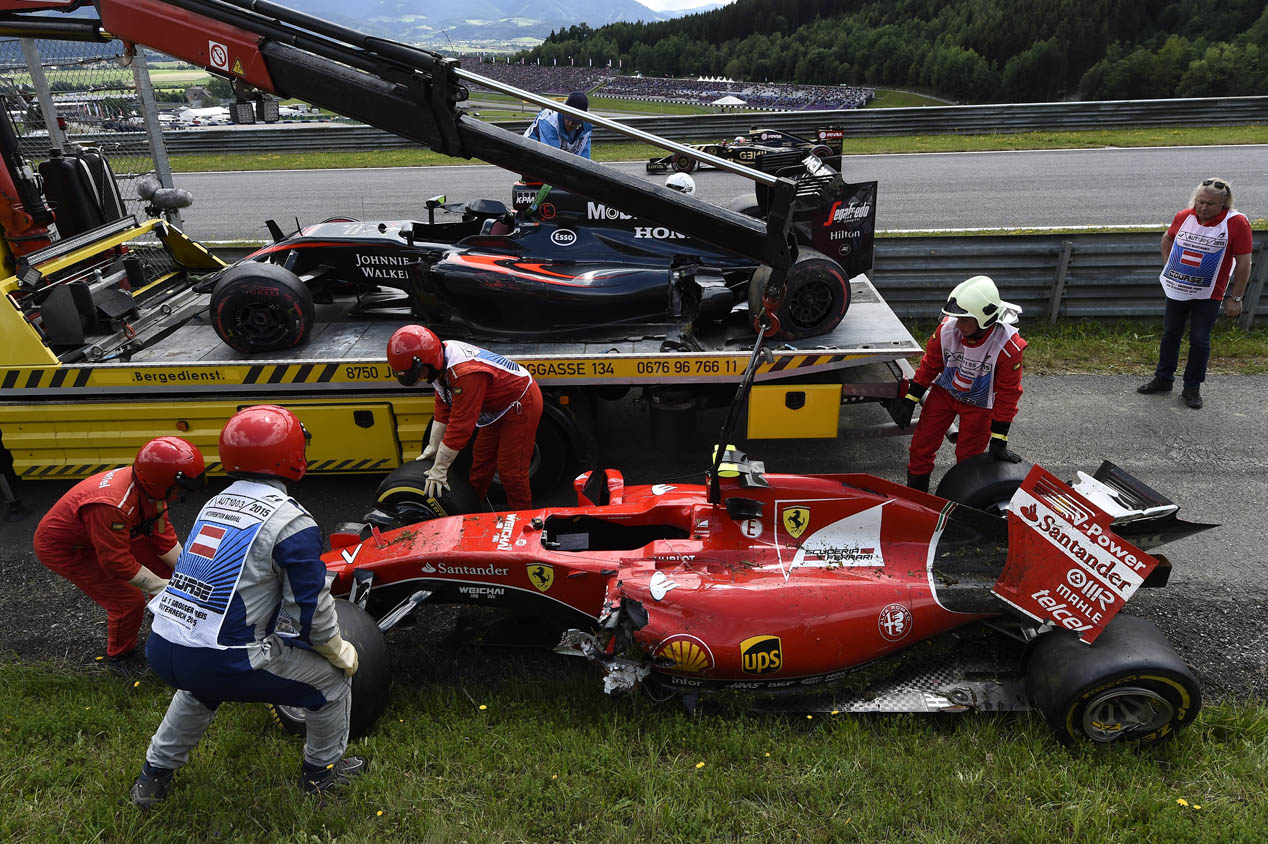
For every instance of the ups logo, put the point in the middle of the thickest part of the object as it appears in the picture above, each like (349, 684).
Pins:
(761, 655)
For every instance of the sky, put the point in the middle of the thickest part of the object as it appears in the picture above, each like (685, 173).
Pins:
(664, 5)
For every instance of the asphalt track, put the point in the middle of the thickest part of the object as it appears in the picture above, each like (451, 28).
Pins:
(1042, 188)
(1212, 462)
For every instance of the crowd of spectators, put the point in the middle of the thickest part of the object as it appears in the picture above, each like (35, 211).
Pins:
(783, 96)
(540, 79)
(550, 79)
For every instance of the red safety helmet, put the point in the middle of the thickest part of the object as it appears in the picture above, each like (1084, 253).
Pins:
(410, 349)
(166, 465)
(264, 440)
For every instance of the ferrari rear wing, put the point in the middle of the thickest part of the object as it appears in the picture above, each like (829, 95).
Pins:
(1069, 563)
(415, 93)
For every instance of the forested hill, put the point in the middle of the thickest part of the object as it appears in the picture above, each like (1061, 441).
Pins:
(967, 50)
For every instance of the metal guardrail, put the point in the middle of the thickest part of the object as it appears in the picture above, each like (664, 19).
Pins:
(930, 120)
(1053, 277)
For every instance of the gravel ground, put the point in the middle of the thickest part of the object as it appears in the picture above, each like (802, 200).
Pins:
(1215, 611)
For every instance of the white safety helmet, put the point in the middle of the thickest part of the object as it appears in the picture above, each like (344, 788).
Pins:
(682, 183)
(977, 297)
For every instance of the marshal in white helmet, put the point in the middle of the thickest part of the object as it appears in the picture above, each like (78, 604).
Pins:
(682, 183)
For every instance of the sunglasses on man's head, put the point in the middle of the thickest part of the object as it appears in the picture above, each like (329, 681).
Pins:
(1215, 183)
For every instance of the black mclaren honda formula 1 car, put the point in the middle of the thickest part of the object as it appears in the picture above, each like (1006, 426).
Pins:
(561, 266)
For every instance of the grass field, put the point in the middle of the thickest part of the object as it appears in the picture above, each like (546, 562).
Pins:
(546, 757)
(1255, 134)
(105, 78)
(1123, 347)
(890, 98)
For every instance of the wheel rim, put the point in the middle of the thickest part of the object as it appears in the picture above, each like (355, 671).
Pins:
(810, 304)
(259, 323)
(294, 713)
(1124, 713)
(997, 508)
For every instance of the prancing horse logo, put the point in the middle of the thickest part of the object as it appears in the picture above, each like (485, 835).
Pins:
(541, 575)
(796, 520)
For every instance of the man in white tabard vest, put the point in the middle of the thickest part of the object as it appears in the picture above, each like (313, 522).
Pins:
(1206, 245)
(476, 391)
(247, 614)
(971, 368)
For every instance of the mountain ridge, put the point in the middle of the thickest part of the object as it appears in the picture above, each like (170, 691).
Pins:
(438, 23)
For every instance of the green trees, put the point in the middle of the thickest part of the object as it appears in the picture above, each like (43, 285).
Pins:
(969, 50)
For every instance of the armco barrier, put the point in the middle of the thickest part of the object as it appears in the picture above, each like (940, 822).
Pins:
(1053, 277)
(931, 120)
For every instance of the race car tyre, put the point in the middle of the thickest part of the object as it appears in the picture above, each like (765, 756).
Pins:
(821, 152)
(683, 163)
(745, 203)
(1129, 685)
(406, 485)
(370, 683)
(983, 482)
(261, 307)
(816, 297)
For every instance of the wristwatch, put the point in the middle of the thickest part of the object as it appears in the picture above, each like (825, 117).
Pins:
(1237, 299)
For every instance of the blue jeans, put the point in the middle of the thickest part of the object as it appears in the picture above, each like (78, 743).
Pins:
(1201, 315)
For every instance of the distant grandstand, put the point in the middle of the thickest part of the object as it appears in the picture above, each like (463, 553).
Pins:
(604, 81)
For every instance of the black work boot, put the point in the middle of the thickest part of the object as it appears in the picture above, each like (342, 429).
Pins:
(151, 786)
(130, 666)
(1155, 385)
(1192, 397)
(920, 483)
(316, 780)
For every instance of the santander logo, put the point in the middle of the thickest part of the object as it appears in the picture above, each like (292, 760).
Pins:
(1031, 512)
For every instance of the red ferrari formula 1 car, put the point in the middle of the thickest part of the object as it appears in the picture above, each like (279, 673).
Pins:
(822, 592)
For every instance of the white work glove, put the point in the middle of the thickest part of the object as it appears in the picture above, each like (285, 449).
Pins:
(340, 653)
(438, 475)
(437, 434)
(148, 582)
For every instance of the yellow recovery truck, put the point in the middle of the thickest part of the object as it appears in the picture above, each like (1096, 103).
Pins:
(107, 340)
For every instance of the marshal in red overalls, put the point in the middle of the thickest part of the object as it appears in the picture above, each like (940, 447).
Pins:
(98, 536)
(977, 379)
(496, 399)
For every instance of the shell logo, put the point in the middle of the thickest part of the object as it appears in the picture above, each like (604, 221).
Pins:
(683, 653)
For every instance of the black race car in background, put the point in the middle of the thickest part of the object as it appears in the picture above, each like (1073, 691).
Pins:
(563, 267)
(759, 149)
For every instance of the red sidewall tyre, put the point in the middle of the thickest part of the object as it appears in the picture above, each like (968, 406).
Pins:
(261, 307)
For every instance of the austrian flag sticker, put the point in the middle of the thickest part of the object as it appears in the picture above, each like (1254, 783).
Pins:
(1190, 258)
(207, 540)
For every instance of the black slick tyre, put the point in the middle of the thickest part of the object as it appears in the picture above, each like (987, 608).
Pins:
(405, 485)
(683, 163)
(982, 482)
(260, 307)
(745, 203)
(370, 683)
(1129, 685)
